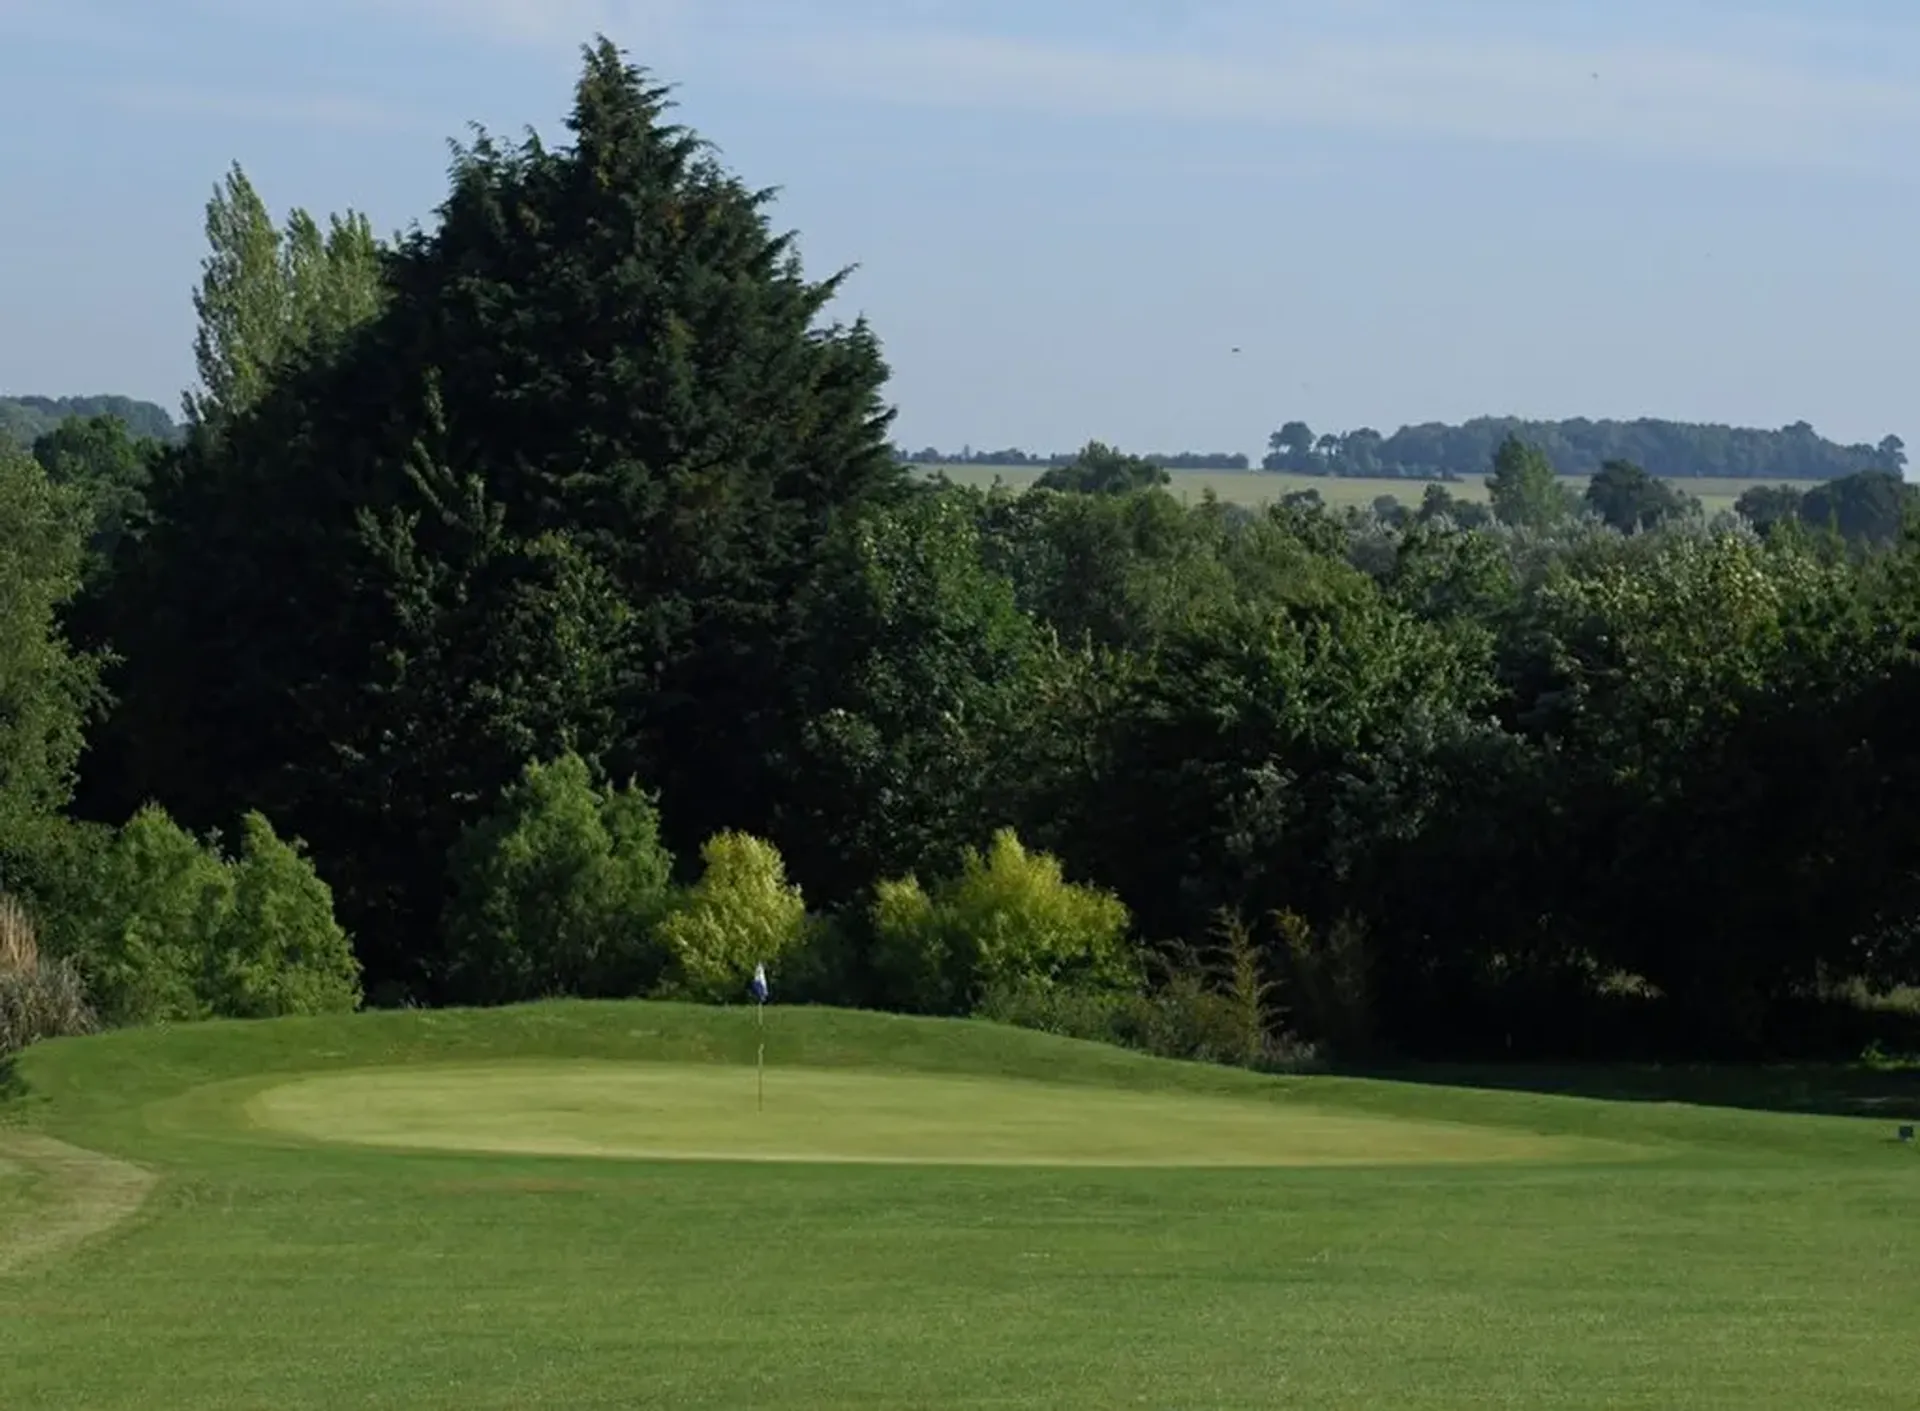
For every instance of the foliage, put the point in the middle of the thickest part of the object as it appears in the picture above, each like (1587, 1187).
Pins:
(921, 678)
(268, 296)
(1009, 918)
(47, 689)
(24, 420)
(740, 914)
(1580, 446)
(558, 890)
(1328, 983)
(1523, 489)
(1100, 469)
(613, 434)
(580, 472)
(159, 899)
(172, 929)
(278, 949)
(1629, 499)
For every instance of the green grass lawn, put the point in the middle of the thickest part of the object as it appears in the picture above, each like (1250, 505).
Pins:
(453, 1210)
(1256, 487)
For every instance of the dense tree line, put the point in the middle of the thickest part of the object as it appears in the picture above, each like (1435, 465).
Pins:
(23, 420)
(551, 577)
(1014, 458)
(1669, 450)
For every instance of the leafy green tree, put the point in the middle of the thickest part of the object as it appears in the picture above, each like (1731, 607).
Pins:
(1764, 506)
(1523, 488)
(1235, 771)
(1290, 448)
(1870, 508)
(1100, 469)
(48, 691)
(1630, 500)
(266, 295)
(558, 890)
(1009, 919)
(922, 678)
(741, 913)
(107, 469)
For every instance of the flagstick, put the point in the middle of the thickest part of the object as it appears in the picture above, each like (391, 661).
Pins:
(760, 1058)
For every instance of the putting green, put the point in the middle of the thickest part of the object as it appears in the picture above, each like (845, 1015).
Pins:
(708, 1112)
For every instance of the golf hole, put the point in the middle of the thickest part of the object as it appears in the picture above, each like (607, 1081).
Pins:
(708, 1112)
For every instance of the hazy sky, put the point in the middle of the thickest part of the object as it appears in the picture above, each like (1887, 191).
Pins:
(1067, 213)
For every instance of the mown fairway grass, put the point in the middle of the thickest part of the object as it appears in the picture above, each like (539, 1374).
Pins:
(300, 1248)
(1255, 488)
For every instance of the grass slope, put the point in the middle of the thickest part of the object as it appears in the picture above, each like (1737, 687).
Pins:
(1731, 1259)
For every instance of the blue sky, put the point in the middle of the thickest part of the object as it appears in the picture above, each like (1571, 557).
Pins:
(1068, 212)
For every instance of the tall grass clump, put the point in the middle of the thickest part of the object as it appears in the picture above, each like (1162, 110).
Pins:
(40, 998)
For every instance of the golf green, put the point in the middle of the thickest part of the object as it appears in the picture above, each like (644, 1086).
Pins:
(714, 1112)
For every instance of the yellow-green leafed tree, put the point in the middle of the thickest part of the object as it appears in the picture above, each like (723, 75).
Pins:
(1009, 918)
(741, 913)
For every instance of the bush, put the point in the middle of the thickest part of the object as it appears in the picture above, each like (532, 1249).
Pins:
(278, 949)
(1009, 922)
(40, 998)
(741, 913)
(172, 930)
(559, 890)
(159, 903)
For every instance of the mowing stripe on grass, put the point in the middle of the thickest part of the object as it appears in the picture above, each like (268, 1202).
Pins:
(670, 1111)
(72, 1195)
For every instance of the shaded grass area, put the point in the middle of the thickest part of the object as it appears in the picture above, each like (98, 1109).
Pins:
(1752, 1259)
(1891, 1093)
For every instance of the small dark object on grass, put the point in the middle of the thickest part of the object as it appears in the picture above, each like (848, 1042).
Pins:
(1906, 1134)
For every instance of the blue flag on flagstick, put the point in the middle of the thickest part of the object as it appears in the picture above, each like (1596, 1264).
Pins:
(759, 985)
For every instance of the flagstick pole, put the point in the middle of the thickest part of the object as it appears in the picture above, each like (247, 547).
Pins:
(760, 1058)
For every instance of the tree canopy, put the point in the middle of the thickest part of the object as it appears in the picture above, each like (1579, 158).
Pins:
(546, 580)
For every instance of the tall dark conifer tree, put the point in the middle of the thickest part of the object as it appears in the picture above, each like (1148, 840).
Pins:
(563, 491)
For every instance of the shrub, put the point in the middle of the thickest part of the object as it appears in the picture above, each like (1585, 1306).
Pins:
(172, 930)
(159, 902)
(279, 949)
(1009, 921)
(741, 913)
(559, 890)
(40, 998)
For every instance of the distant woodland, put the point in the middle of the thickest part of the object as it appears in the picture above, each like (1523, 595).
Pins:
(1668, 450)
(24, 420)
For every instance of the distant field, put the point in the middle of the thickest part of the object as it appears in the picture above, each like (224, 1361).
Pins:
(1258, 487)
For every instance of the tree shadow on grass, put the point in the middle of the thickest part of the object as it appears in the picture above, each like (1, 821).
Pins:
(1827, 1089)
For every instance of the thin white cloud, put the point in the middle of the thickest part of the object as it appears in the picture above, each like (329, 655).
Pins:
(325, 110)
(1664, 101)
